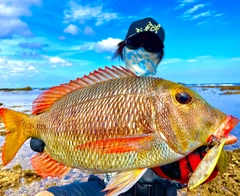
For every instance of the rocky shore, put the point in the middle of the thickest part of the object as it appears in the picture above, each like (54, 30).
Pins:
(17, 181)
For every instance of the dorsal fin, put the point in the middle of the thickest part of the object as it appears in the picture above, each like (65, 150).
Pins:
(47, 98)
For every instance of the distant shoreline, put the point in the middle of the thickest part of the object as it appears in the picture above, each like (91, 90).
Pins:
(27, 88)
(227, 88)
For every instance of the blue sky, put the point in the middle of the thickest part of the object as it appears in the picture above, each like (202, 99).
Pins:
(45, 43)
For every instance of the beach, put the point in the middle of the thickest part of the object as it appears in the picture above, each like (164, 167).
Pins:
(18, 178)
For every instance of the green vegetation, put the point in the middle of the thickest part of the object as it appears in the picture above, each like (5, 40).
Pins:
(230, 93)
(27, 88)
(232, 88)
(229, 89)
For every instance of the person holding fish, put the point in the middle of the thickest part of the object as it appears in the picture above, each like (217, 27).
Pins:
(137, 140)
(142, 51)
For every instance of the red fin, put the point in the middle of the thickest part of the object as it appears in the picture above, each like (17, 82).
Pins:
(14, 124)
(45, 166)
(47, 98)
(120, 145)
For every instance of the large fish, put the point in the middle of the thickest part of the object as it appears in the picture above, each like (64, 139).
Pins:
(114, 121)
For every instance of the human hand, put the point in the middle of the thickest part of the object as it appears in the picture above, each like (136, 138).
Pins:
(181, 170)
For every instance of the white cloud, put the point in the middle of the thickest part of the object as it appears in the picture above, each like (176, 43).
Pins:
(187, 15)
(18, 69)
(184, 3)
(195, 8)
(61, 38)
(81, 13)
(14, 26)
(57, 60)
(107, 45)
(85, 46)
(72, 29)
(191, 60)
(10, 13)
(203, 14)
(170, 61)
(203, 57)
(12, 67)
(193, 13)
(31, 68)
(235, 59)
(88, 31)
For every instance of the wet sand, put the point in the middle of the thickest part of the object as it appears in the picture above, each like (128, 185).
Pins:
(18, 178)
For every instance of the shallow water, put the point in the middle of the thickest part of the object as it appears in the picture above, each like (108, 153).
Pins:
(22, 100)
(229, 104)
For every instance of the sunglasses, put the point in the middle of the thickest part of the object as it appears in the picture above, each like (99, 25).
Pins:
(150, 42)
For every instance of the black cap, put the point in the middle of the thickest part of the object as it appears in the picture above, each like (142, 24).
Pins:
(146, 25)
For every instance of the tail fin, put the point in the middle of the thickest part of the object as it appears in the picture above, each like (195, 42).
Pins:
(14, 124)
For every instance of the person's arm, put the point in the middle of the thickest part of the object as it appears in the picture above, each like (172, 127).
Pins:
(181, 170)
(93, 186)
(152, 184)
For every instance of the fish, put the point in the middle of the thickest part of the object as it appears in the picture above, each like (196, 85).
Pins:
(114, 121)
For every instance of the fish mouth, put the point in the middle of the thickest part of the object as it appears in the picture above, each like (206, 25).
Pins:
(223, 131)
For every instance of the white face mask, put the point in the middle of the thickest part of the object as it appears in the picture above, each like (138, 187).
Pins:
(141, 62)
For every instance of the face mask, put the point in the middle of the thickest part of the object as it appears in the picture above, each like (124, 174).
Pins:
(141, 62)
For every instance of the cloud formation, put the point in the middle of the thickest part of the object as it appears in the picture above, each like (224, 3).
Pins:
(72, 29)
(10, 13)
(81, 13)
(183, 3)
(11, 67)
(58, 61)
(88, 31)
(107, 45)
(32, 45)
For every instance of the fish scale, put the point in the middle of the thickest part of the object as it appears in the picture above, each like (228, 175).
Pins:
(130, 122)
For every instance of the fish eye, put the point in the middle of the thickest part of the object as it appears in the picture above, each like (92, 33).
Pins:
(183, 97)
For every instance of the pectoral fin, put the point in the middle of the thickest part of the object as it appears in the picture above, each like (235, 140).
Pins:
(206, 166)
(120, 145)
(45, 166)
(123, 181)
